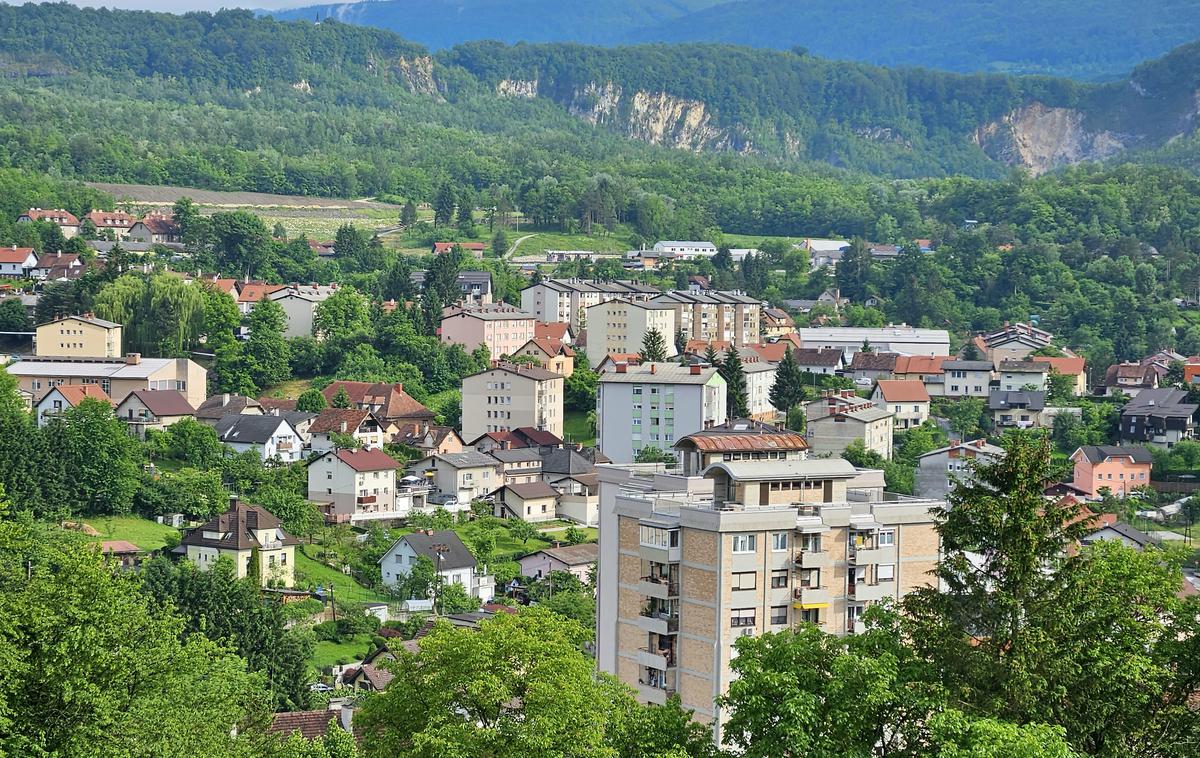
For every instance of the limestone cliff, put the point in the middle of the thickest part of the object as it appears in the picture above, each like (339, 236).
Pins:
(524, 88)
(1041, 138)
(417, 74)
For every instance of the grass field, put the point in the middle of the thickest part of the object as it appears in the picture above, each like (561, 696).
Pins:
(576, 428)
(329, 653)
(540, 242)
(146, 534)
(290, 389)
(344, 587)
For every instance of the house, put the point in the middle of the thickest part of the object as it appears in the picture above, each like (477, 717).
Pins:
(429, 438)
(475, 286)
(156, 228)
(686, 250)
(698, 283)
(1014, 342)
(244, 533)
(739, 440)
(830, 297)
(311, 725)
(217, 407)
(714, 315)
(499, 327)
(554, 355)
(839, 417)
(962, 378)
(573, 475)
(1119, 469)
(61, 399)
(16, 262)
(1071, 366)
(559, 330)
(939, 471)
(117, 377)
(299, 303)
(565, 301)
(760, 378)
(360, 424)
(82, 336)
(1158, 417)
(1129, 379)
(272, 437)
(301, 421)
(250, 294)
(65, 220)
(577, 560)
(473, 249)
(1123, 533)
(1019, 409)
(819, 360)
(143, 410)
(451, 559)
(612, 360)
(511, 395)
(459, 478)
(56, 265)
(905, 398)
(389, 402)
(360, 485)
(902, 339)
(621, 326)
(776, 322)
(519, 465)
(118, 222)
(532, 501)
(1016, 375)
(655, 404)
(126, 554)
(824, 252)
(528, 436)
(870, 367)
(922, 368)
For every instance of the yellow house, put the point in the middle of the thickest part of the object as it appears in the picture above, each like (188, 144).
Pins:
(555, 355)
(239, 533)
(82, 336)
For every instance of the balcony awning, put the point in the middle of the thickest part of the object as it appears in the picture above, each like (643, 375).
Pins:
(866, 525)
(810, 606)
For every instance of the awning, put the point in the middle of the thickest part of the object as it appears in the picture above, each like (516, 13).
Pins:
(809, 606)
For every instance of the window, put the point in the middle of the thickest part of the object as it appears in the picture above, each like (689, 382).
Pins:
(745, 543)
(887, 538)
(810, 543)
(810, 615)
(778, 614)
(741, 617)
(745, 580)
(779, 579)
(885, 572)
(810, 578)
(779, 541)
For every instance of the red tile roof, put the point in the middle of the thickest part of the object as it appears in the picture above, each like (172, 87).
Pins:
(445, 247)
(551, 347)
(700, 347)
(56, 259)
(159, 223)
(310, 724)
(54, 216)
(903, 391)
(331, 420)
(557, 330)
(276, 404)
(388, 401)
(921, 364)
(14, 254)
(111, 219)
(76, 393)
(1066, 366)
(120, 547)
(368, 460)
(253, 292)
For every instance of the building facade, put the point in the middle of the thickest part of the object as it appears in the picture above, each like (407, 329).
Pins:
(715, 315)
(510, 396)
(618, 326)
(567, 300)
(83, 336)
(499, 327)
(655, 404)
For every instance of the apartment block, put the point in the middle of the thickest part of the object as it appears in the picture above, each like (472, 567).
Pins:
(840, 417)
(653, 405)
(715, 315)
(567, 300)
(689, 565)
(83, 336)
(501, 328)
(617, 326)
(117, 377)
(510, 396)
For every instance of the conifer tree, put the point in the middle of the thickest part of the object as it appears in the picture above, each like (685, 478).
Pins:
(654, 347)
(735, 384)
(788, 390)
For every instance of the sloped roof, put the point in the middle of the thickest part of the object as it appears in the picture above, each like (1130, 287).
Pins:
(157, 223)
(1098, 453)
(539, 437)
(738, 435)
(1066, 366)
(53, 215)
(56, 259)
(467, 459)
(903, 391)
(253, 292)
(517, 455)
(1024, 367)
(87, 319)
(550, 347)
(219, 406)
(874, 361)
(119, 547)
(558, 330)
(75, 394)
(536, 373)
(574, 555)
(391, 400)
(565, 461)
(367, 460)
(111, 219)
(456, 555)
(309, 724)
(920, 364)
(331, 420)
(235, 529)
(277, 404)
(531, 490)
(15, 254)
(247, 429)
(1000, 400)
(164, 402)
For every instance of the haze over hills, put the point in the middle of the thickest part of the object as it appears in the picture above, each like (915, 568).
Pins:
(1101, 39)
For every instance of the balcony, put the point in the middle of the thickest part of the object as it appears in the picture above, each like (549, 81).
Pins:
(808, 559)
(865, 592)
(860, 556)
(653, 693)
(855, 626)
(287, 445)
(811, 596)
(657, 554)
(658, 587)
(656, 658)
(366, 499)
(658, 622)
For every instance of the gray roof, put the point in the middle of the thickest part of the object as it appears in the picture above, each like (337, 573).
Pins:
(88, 319)
(565, 461)
(1166, 401)
(1025, 367)
(222, 405)
(966, 365)
(112, 369)
(489, 313)
(866, 415)
(1000, 400)
(1097, 453)
(574, 555)
(1128, 532)
(456, 555)
(536, 373)
(517, 455)
(249, 430)
(985, 448)
(808, 468)
(663, 373)
(619, 286)
(709, 297)
(467, 459)
(529, 490)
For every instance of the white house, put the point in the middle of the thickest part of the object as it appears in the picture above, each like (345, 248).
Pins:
(684, 250)
(451, 559)
(360, 424)
(299, 303)
(579, 560)
(460, 478)
(907, 399)
(760, 377)
(16, 262)
(272, 437)
(359, 485)
(65, 397)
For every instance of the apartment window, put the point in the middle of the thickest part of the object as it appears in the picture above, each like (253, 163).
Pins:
(745, 580)
(745, 543)
(810, 616)
(810, 578)
(779, 541)
(653, 536)
(810, 543)
(887, 538)
(885, 572)
(778, 614)
(779, 579)
(741, 617)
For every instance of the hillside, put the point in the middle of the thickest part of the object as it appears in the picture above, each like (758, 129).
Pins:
(1098, 40)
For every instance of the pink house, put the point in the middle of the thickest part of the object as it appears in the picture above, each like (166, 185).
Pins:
(501, 327)
(1120, 469)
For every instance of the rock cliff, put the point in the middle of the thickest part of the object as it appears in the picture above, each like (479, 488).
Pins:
(1041, 138)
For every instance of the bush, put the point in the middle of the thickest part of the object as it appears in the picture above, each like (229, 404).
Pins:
(327, 631)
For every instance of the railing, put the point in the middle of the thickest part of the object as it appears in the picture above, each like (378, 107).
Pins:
(645, 682)
(672, 619)
(672, 587)
(666, 653)
(366, 499)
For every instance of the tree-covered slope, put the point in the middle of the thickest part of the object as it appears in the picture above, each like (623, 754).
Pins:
(1101, 39)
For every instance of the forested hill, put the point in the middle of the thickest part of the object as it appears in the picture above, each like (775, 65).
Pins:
(1099, 39)
(110, 88)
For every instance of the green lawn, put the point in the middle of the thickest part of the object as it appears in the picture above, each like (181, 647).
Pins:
(290, 389)
(344, 587)
(146, 534)
(576, 428)
(540, 242)
(329, 653)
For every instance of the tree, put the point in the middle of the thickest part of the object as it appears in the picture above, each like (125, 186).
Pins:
(188, 441)
(240, 241)
(653, 454)
(96, 458)
(680, 341)
(311, 401)
(443, 205)
(344, 314)
(335, 743)
(1060, 388)
(963, 416)
(579, 389)
(499, 243)
(710, 355)
(266, 350)
(408, 214)
(788, 390)
(654, 347)
(12, 316)
(92, 667)
(340, 399)
(522, 530)
(735, 384)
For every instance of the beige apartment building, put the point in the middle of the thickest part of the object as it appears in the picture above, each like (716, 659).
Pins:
(714, 315)
(501, 328)
(689, 565)
(83, 336)
(618, 326)
(510, 396)
(116, 376)
(567, 300)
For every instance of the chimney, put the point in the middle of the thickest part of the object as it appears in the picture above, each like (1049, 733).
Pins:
(653, 368)
(133, 359)
(695, 369)
(224, 399)
(343, 427)
(622, 368)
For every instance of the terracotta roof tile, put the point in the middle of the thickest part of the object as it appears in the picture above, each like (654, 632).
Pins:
(903, 391)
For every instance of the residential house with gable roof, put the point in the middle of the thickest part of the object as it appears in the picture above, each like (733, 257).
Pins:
(776, 322)
(360, 424)
(65, 220)
(143, 410)
(871, 366)
(1017, 409)
(156, 228)
(299, 303)
(530, 501)
(907, 399)
(239, 533)
(389, 402)
(939, 471)
(452, 562)
(354, 486)
(61, 399)
(1119, 469)
(118, 222)
(554, 355)
(217, 407)
(1073, 366)
(962, 378)
(272, 437)
(839, 417)
(1016, 375)
(577, 560)
(459, 478)
(56, 266)
(17, 262)
(1158, 417)
(429, 438)
(519, 465)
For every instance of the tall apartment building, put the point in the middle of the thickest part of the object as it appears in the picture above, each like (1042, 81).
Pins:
(715, 315)
(566, 300)
(653, 405)
(688, 565)
(509, 396)
(500, 327)
(617, 326)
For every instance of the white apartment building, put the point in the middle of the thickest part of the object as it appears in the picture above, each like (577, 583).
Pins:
(655, 404)
(760, 377)
(360, 485)
(715, 315)
(901, 339)
(567, 300)
(617, 326)
(510, 396)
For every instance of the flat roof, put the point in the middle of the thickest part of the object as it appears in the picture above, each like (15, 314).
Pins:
(810, 468)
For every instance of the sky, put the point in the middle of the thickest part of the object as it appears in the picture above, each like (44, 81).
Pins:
(180, 6)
